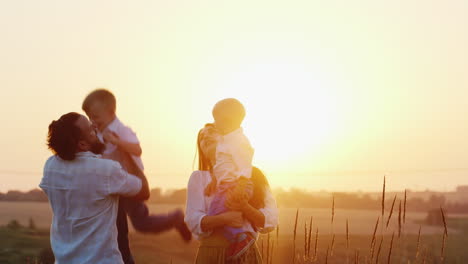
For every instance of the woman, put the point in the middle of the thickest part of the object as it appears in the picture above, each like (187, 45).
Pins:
(259, 214)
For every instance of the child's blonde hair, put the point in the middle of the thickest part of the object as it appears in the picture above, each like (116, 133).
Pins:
(229, 109)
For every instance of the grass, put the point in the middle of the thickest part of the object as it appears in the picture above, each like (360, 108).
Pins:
(336, 236)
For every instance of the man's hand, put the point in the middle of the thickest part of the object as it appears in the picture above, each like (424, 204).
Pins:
(232, 218)
(111, 137)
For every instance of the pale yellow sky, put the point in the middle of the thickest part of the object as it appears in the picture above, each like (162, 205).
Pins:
(337, 92)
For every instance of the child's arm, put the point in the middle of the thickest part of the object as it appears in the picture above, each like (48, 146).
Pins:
(131, 148)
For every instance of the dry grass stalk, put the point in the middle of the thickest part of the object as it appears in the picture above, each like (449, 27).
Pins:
(272, 250)
(268, 247)
(399, 220)
(444, 240)
(326, 256)
(445, 223)
(332, 245)
(309, 237)
(391, 211)
(277, 235)
(377, 257)
(425, 256)
(262, 248)
(373, 236)
(404, 209)
(356, 257)
(383, 197)
(418, 242)
(316, 244)
(305, 239)
(390, 250)
(347, 234)
(294, 236)
(333, 211)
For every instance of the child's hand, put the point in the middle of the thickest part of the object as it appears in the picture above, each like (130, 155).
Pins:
(110, 136)
(211, 187)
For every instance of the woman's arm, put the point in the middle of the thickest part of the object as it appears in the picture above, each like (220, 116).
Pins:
(231, 218)
(265, 219)
(196, 218)
(239, 202)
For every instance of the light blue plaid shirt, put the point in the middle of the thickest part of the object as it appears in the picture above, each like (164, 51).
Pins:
(83, 194)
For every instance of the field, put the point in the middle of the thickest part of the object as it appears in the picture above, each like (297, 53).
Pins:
(169, 247)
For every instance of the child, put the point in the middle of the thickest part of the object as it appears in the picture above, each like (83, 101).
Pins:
(232, 170)
(123, 146)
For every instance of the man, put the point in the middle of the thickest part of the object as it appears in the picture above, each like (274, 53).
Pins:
(83, 191)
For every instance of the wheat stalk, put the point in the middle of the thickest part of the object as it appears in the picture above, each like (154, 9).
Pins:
(326, 256)
(277, 235)
(418, 242)
(390, 250)
(294, 236)
(372, 246)
(399, 220)
(391, 211)
(383, 197)
(347, 234)
(378, 251)
(443, 219)
(310, 235)
(305, 238)
(268, 247)
(404, 210)
(316, 243)
(332, 245)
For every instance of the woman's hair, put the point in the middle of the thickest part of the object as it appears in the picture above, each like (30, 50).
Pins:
(64, 135)
(204, 162)
(259, 179)
(260, 184)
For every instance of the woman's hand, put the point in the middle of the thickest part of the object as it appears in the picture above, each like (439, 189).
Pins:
(233, 218)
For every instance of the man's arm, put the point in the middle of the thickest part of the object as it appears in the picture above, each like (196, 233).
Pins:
(128, 185)
(133, 169)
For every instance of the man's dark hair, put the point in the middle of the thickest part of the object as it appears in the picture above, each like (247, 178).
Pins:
(99, 95)
(64, 135)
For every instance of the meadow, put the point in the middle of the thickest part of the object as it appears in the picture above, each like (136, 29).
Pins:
(336, 242)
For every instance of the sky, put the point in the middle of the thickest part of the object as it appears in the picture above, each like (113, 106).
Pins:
(338, 93)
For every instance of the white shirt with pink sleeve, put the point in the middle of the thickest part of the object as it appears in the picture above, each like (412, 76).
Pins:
(233, 157)
(126, 134)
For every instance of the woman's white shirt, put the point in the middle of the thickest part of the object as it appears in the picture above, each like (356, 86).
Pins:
(198, 204)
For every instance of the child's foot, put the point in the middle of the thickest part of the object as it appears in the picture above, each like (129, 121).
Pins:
(180, 226)
(237, 249)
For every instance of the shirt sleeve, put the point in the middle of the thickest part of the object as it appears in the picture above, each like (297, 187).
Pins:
(271, 213)
(126, 134)
(195, 206)
(121, 182)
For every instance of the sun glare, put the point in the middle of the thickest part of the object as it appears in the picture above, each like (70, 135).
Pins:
(292, 111)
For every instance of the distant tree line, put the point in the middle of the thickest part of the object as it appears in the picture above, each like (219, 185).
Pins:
(293, 198)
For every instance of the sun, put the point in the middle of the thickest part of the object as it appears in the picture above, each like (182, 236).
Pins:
(292, 111)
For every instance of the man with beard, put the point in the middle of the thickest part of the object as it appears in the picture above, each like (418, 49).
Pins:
(83, 191)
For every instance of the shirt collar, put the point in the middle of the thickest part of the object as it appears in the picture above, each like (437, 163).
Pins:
(234, 133)
(87, 154)
(113, 125)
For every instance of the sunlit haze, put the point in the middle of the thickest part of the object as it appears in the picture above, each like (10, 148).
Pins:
(337, 93)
